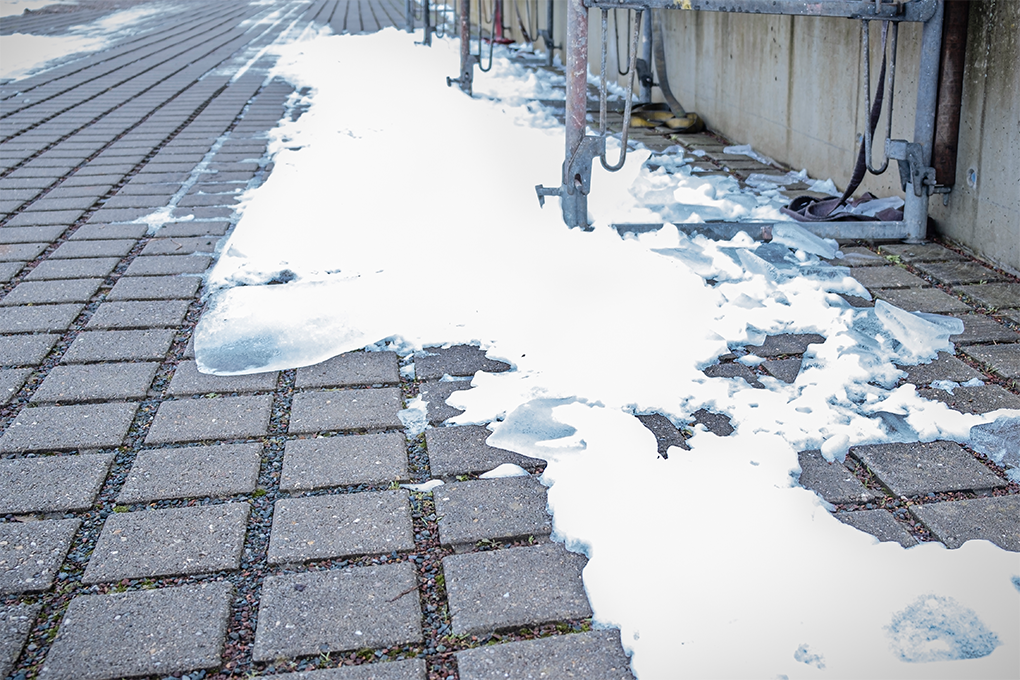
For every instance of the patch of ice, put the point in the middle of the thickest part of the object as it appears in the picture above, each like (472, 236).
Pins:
(414, 416)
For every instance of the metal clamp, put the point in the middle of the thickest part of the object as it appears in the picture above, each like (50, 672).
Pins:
(910, 157)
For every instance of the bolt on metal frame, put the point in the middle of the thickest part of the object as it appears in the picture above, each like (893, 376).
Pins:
(914, 158)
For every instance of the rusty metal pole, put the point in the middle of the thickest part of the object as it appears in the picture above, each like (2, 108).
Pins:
(573, 196)
(426, 19)
(947, 121)
(467, 68)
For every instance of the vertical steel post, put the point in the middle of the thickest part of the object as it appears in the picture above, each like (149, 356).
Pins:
(409, 9)
(915, 212)
(426, 20)
(572, 199)
(550, 45)
(645, 95)
(467, 69)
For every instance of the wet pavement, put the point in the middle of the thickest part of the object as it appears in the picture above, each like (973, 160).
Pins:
(159, 522)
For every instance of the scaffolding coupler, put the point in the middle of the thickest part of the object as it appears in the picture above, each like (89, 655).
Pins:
(914, 157)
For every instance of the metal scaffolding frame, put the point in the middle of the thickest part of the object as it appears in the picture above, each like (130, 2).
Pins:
(914, 157)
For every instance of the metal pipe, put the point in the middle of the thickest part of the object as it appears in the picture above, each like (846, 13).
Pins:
(915, 212)
(645, 95)
(947, 118)
(550, 45)
(466, 65)
(427, 40)
(409, 16)
(573, 201)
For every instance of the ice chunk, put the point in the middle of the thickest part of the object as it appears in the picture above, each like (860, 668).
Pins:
(999, 440)
(505, 470)
(919, 337)
(415, 416)
(826, 186)
(746, 150)
(936, 628)
(797, 237)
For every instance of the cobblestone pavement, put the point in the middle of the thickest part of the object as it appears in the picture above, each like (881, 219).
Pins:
(155, 521)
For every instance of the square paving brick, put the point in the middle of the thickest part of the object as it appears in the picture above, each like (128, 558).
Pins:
(930, 300)
(501, 509)
(408, 669)
(955, 273)
(981, 399)
(435, 395)
(322, 527)
(371, 409)
(501, 589)
(1001, 359)
(460, 360)
(119, 346)
(25, 350)
(595, 655)
(97, 232)
(31, 553)
(103, 637)
(30, 234)
(16, 621)
(163, 265)
(462, 450)
(343, 461)
(994, 295)
(954, 523)
(51, 484)
(96, 382)
(193, 472)
(62, 428)
(96, 267)
(980, 329)
(155, 288)
(913, 469)
(887, 277)
(181, 245)
(11, 380)
(188, 380)
(169, 542)
(44, 292)
(921, 252)
(352, 370)
(39, 318)
(103, 248)
(878, 523)
(332, 611)
(857, 256)
(150, 314)
(186, 229)
(832, 481)
(19, 252)
(786, 370)
(944, 367)
(8, 270)
(192, 420)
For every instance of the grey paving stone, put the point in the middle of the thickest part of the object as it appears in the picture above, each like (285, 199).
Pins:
(501, 589)
(51, 484)
(192, 420)
(96, 382)
(39, 319)
(978, 328)
(343, 461)
(1012, 315)
(194, 228)
(164, 265)
(31, 234)
(855, 301)
(103, 248)
(786, 370)
(921, 252)
(352, 370)
(96, 232)
(435, 395)
(408, 669)
(460, 360)
(11, 380)
(169, 542)
(323, 527)
(716, 423)
(14, 252)
(193, 472)
(142, 314)
(155, 288)
(31, 553)
(96, 267)
(462, 450)
(371, 409)
(111, 636)
(917, 468)
(832, 481)
(734, 370)
(48, 292)
(981, 399)
(887, 277)
(595, 655)
(994, 295)
(501, 509)
(878, 523)
(666, 434)
(8, 270)
(955, 273)
(16, 621)
(62, 428)
(944, 367)
(954, 523)
(1001, 359)
(181, 245)
(338, 610)
(187, 380)
(137, 345)
(930, 300)
(858, 256)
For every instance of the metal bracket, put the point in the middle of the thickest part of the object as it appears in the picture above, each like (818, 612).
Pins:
(577, 170)
(910, 157)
